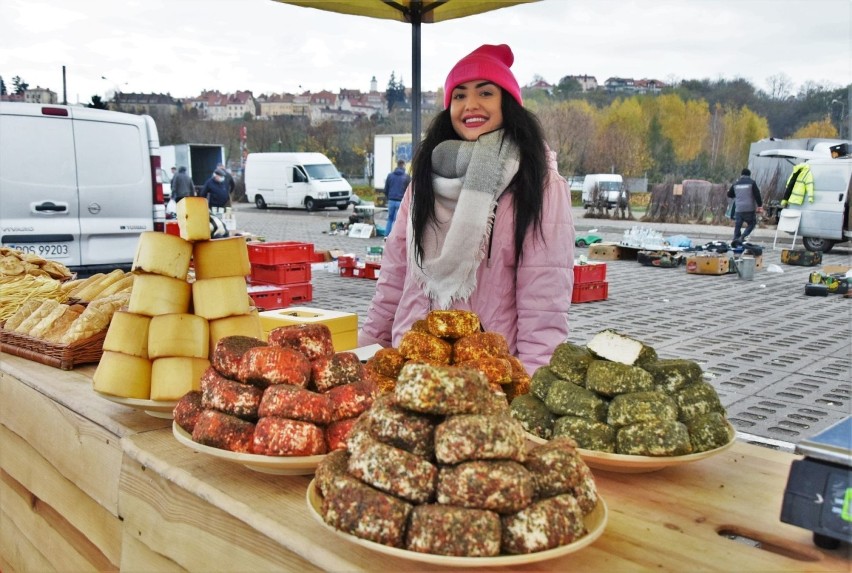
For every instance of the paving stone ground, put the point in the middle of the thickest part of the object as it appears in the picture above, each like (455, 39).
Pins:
(781, 361)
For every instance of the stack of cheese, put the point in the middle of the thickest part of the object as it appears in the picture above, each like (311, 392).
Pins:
(158, 348)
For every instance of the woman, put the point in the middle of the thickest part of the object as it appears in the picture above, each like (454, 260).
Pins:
(488, 224)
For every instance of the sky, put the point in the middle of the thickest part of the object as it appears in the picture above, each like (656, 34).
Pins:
(182, 47)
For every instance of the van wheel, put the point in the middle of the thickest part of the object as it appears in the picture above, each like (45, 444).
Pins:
(818, 245)
(259, 202)
(342, 207)
(309, 204)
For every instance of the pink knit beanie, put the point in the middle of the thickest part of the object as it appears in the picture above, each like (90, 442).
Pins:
(487, 62)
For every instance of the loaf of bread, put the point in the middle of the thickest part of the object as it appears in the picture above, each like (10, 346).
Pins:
(45, 308)
(23, 313)
(41, 327)
(58, 329)
(95, 318)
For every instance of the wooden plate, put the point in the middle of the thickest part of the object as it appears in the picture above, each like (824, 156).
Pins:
(595, 524)
(627, 464)
(155, 408)
(280, 465)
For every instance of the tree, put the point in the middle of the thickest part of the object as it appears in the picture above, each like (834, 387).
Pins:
(395, 94)
(2, 87)
(780, 86)
(567, 87)
(97, 103)
(20, 85)
(822, 128)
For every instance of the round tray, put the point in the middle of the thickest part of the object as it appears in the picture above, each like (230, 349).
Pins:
(155, 408)
(627, 464)
(280, 465)
(595, 524)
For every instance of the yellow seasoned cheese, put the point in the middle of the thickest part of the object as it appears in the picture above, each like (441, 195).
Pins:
(178, 335)
(221, 258)
(193, 217)
(173, 377)
(239, 325)
(123, 375)
(128, 334)
(156, 294)
(218, 298)
(162, 254)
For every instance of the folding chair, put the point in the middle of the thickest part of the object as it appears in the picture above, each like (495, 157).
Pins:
(788, 221)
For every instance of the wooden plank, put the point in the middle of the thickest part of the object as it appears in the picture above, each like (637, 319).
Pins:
(81, 451)
(41, 479)
(180, 527)
(62, 547)
(16, 551)
(136, 557)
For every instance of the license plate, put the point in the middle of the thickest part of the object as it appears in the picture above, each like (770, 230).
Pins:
(49, 250)
(342, 202)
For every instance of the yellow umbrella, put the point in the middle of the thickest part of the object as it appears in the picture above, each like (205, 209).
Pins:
(415, 12)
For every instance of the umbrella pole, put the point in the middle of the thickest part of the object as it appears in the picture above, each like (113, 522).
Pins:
(416, 19)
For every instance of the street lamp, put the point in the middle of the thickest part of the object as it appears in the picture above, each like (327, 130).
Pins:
(840, 117)
(279, 143)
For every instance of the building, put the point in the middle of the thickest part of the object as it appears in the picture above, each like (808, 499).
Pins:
(40, 95)
(587, 83)
(140, 103)
(619, 85)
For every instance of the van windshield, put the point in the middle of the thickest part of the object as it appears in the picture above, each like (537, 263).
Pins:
(322, 171)
(609, 185)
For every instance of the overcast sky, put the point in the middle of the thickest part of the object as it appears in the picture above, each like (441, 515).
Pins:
(183, 46)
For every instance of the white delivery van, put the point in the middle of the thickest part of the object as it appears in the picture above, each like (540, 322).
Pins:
(826, 221)
(306, 180)
(609, 185)
(78, 185)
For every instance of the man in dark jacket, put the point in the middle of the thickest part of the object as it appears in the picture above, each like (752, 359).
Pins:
(395, 186)
(215, 191)
(182, 185)
(747, 203)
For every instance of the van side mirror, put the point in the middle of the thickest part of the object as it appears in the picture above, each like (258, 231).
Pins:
(298, 176)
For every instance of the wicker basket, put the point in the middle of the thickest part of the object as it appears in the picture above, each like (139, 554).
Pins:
(63, 356)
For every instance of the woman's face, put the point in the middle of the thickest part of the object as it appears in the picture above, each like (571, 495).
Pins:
(475, 108)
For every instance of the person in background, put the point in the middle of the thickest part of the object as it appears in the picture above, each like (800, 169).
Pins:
(395, 185)
(229, 181)
(747, 203)
(487, 225)
(182, 185)
(215, 191)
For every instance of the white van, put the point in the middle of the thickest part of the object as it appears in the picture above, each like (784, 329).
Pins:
(826, 221)
(306, 180)
(78, 185)
(609, 185)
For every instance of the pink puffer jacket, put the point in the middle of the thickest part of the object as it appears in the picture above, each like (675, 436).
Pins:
(527, 304)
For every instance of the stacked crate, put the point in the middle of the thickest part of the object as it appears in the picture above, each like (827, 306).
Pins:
(280, 273)
(371, 268)
(589, 283)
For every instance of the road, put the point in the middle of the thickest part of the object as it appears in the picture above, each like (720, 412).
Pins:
(781, 361)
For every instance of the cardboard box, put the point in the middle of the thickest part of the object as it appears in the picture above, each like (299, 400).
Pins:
(714, 264)
(836, 269)
(343, 325)
(605, 252)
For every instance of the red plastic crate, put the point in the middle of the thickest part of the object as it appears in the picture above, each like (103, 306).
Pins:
(280, 253)
(300, 292)
(269, 297)
(589, 292)
(590, 273)
(368, 271)
(281, 274)
(346, 262)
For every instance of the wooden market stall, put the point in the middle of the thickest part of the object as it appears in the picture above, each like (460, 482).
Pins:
(88, 484)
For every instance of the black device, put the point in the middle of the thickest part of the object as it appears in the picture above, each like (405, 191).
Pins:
(818, 495)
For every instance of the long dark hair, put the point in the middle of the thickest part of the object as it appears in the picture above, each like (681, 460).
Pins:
(521, 126)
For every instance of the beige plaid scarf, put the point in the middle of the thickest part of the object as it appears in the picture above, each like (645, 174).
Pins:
(468, 179)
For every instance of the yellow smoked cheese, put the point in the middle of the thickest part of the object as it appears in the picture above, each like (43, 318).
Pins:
(221, 258)
(128, 334)
(178, 335)
(173, 377)
(221, 297)
(162, 254)
(153, 295)
(193, 217)
(123, 375)
(239, 325)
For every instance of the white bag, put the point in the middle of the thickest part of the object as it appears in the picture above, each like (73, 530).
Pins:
(171, 207)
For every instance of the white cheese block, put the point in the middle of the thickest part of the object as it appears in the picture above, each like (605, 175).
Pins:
(221, 297)
(193, 217)
(123, 375)
(173, 377)
(617, 347)
(128, 334)
(162, 254)
(221, 258)
(178, 335)
(157, 294)
(239, 325)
